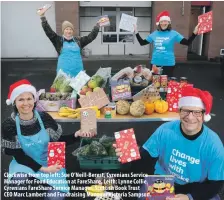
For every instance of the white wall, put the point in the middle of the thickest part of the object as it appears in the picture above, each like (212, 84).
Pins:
(21, 31)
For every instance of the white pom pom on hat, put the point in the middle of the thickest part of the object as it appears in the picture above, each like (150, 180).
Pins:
(197, 98)
(18, 88)
(207, 117)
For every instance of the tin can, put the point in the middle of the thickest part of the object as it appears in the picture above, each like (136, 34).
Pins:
(173, 79)
(156, 80)
(107, 114)
(163, 81)
(111, 107)
(183, 80)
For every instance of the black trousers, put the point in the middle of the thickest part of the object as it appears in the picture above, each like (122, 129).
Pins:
(167, 70)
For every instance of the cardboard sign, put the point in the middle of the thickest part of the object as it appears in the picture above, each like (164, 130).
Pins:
(88, 120)
(127, 22)
(126, 141)
(149, 94)
(205, 21)
(56, 153)
(97, 98)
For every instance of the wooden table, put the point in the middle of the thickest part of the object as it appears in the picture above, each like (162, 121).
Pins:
(168, 116)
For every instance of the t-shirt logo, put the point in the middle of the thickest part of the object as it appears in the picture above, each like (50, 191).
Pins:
(178, 162)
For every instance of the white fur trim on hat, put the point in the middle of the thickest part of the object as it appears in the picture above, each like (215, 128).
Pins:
(191, 101)
(167, 18)
(19, 90)
(207, 117)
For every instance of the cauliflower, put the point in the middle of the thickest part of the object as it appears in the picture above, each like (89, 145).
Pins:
(137, 108)
(122, 107)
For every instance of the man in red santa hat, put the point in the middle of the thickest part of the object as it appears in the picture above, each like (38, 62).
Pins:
(164, 39)
(187, 149)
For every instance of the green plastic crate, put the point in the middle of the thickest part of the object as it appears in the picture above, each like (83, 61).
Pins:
(96, 162)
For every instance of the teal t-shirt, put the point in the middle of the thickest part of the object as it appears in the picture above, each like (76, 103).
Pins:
(163, 47)
(187, 160)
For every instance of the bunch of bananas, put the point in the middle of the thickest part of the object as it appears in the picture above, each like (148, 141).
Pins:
(75, 113)
(68, 112)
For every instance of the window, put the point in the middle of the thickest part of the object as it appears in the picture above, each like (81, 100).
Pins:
(113, 34)
(90, 11)
(143, 12)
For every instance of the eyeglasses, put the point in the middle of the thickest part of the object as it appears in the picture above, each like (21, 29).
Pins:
(196, 113)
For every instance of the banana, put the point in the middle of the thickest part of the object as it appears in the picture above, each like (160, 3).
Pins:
(61, 114)
(73, 115)
(64, 110)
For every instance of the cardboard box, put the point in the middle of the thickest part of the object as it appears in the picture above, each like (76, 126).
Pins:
(97, 98)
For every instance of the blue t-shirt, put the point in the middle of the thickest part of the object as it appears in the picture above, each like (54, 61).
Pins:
(187, 160)
(163, 47)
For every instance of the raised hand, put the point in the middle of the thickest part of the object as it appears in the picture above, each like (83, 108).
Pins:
(196, 29)
(41, 11)
(90, 134)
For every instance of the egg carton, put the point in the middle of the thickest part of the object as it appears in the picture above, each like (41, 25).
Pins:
(109, 196)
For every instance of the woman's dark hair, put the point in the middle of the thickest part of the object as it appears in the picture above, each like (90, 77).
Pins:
(15, 110)
(169, 28)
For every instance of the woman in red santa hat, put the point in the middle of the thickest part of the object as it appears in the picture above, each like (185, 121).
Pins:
(25, 136)
(186, 149)
(163, 39)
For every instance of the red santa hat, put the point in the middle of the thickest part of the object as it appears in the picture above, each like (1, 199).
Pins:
(197, 98)
(164, 15)
(18, 88)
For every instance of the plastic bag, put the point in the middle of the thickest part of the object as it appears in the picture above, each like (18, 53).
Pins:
(106, 141)
(82, 151)
(97, 149)
(61, 82)
(79, 81)
(126, 72)
(105, 73)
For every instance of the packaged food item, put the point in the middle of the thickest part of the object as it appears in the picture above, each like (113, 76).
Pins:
(110, 110)
(120, 89)
(42, 10)
(104, 21)
(173, 79)
(157, 70)
(107, 113)
(163, 81)
(183, 80)
(156, 80)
